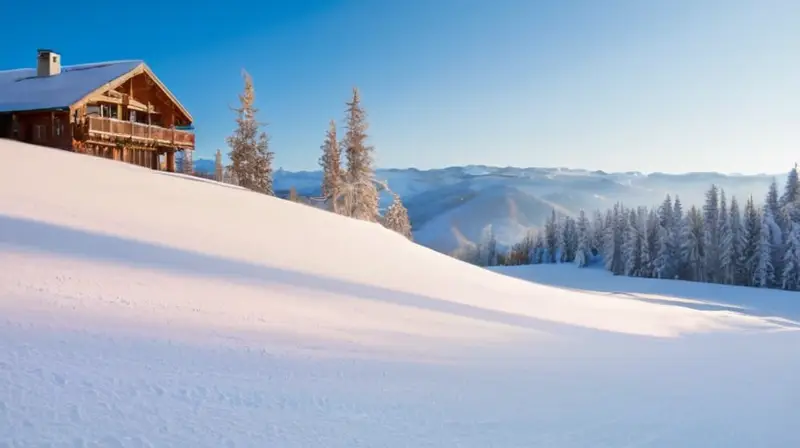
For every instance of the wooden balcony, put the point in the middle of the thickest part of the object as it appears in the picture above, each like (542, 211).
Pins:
(111, 127)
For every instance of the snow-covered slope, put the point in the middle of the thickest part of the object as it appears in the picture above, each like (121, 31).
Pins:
(147, 309)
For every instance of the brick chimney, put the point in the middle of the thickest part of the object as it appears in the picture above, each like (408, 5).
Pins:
(48, 63)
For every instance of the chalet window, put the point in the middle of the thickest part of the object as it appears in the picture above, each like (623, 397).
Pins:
(92, 110)
(58, 127)
(39, 132)
(108, 111)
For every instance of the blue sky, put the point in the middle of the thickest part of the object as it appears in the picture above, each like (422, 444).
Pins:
(657, 85)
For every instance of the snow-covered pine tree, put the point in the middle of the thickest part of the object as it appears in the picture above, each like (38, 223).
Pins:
(726, 249)
(613, 251)
(650, 248)
(677, 237)
(551, 238)
(752, 241)
(569, 240)
(693, 246)
(778, 229)
(791, 192)
(360, 184)
(396, 218)
(738, 242)
(791, 260)
(677, 210)
(331, 163)
(773, 201)
(763, 272)
(598, 232)
(584, 250)
(561, 240)
(665, 261)
(776, 244)
(632, 245)
(538, 249)
(711, 240)
(251, 160)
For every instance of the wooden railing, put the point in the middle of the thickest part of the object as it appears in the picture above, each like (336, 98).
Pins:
(139, 131)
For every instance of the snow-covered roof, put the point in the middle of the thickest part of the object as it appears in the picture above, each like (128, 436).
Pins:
(22, 90)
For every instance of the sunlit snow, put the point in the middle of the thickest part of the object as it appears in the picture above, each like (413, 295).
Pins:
(141, 308)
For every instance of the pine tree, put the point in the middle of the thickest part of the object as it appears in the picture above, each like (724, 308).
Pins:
(650, 249)
(538, 249)
(665, 261)
(773, 202)
(584, 250)
(551, 238)
(763, 272)
(361, 193)
(775, 240)
(791, 192)
(738, 242)
(632, 245)
(791, 260)
(613, 251)
(693, 246)
(726, 249)
(330, 161)
(677, 236)
(396, 218)
(752, 241)
(711, 240)
(598, 231)
(568, 240)
(251, 160)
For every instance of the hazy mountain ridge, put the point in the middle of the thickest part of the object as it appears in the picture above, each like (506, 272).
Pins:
(453, 204)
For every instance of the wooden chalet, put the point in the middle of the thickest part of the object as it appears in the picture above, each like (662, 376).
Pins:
(117, 110)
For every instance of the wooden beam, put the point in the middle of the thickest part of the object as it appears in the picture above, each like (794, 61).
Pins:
(130, 102)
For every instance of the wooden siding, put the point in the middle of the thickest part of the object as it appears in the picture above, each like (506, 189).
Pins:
(45, 128)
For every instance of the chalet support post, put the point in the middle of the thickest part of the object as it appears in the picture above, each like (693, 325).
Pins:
(171, 160)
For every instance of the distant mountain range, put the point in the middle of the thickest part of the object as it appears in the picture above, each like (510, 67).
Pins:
(451, 205)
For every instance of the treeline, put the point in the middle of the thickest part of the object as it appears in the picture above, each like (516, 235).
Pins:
(719, 242)
(348, 189)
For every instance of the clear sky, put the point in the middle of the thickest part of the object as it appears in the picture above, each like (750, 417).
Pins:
(618, 85)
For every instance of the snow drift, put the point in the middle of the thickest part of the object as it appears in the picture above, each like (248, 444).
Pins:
(143, 308)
